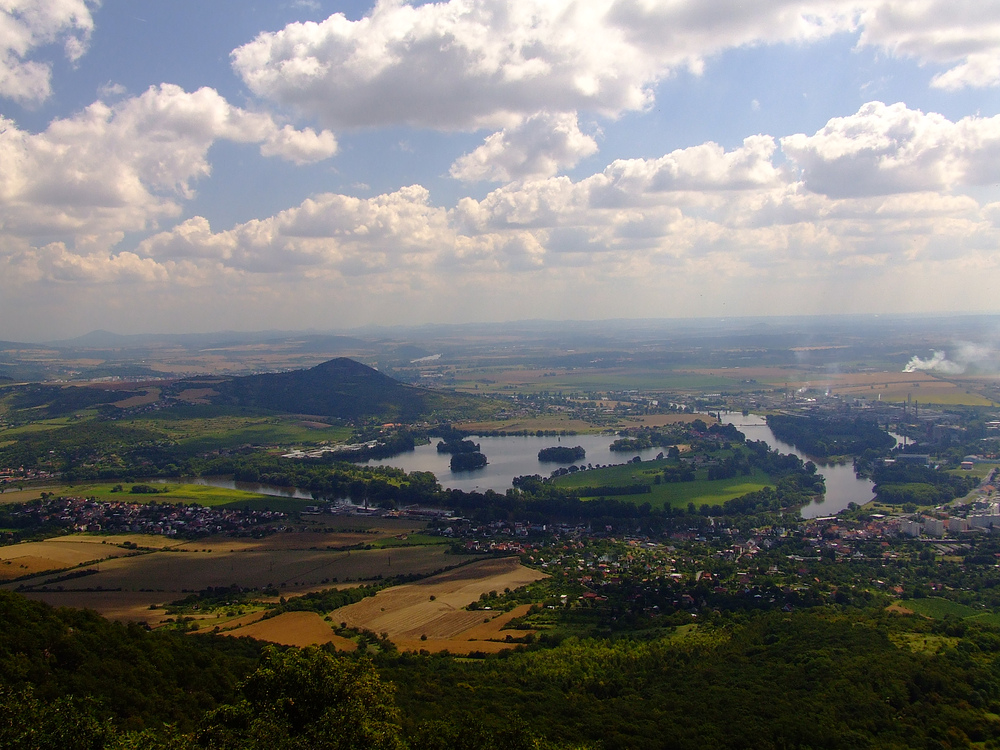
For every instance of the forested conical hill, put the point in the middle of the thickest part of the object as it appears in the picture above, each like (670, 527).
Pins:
(339, 388)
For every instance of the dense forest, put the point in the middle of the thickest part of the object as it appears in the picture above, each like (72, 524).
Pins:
(820, 678)
(904, 482)
(826, 436)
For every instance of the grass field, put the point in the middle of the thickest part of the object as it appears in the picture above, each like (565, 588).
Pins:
(677, 494)
(979, 470)
(202, 434)
(937, 608)
(201, 494)
(178, 493)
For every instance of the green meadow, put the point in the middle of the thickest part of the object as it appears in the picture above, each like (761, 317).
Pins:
(937, 608)
(702, 491)
(210, 497)
(197, 435)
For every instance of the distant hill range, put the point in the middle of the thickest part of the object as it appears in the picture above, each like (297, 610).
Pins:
(105, 340)
(339, 388)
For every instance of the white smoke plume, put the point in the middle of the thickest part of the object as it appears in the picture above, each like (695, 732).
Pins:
(968, 356)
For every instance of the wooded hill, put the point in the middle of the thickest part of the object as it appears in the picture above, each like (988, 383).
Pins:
(339, 388)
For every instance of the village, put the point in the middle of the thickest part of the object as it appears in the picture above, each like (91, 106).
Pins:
(76, 514)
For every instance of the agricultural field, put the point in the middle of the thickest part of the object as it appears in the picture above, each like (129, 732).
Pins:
(536, 380)
(177, 493)
(20, 560)
(123, 585)
(196, 434)
(894, 387)
(186, 494)
(702, 491)
(293, 629)
(429, 614)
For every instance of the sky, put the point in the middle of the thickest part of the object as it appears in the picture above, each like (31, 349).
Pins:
(197, 166)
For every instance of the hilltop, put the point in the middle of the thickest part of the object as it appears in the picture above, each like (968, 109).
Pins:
(340, 388)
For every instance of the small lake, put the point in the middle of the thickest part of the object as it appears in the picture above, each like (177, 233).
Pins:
(509, 457)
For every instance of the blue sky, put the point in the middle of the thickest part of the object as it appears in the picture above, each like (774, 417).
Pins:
(192, 166)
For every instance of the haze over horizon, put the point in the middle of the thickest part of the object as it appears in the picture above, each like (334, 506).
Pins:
(330, 165)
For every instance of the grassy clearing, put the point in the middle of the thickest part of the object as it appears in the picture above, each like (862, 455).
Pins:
(41, 426)
(979, 470)
(923, 643)
(702, 491)
(939, 608)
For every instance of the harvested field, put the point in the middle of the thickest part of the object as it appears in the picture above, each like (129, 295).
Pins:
(196, 569)
(407, 612)
(891, 386)
(485, 637)
(489, 631)
(53, 554)
(236, 622)
(128, 606)
(165, 576)
(151, 396)
(307, 540)
(293, 629)
(149, 541)
(455, 646)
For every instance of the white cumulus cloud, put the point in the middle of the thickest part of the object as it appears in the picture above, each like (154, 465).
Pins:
(541, 146)
(520, 67)
(964, 34)
(122, 167)
(26, 25)
(891, 149)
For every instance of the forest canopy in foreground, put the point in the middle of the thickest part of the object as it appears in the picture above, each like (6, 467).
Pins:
(827, 678)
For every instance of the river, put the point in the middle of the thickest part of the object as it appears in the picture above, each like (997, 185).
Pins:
(513, 456)
(842, 486)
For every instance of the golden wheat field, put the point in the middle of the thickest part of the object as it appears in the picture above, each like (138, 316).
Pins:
(293, 629)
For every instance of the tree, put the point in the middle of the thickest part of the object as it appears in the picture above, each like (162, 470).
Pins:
(307, 698)
(61, 724)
